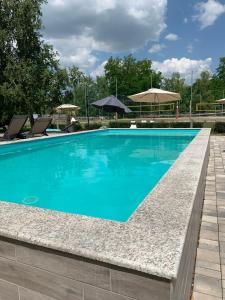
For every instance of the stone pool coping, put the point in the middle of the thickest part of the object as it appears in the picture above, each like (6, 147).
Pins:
(151, 241)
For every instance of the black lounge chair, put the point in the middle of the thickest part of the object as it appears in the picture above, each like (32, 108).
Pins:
(39, 128)
(15, 126)
(70, 128)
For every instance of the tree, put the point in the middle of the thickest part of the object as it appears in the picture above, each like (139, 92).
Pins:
(177, 84)
(130, 75)
(218, 81)
(30, 79)
(102, 87)
(174, 84)
(202, 89)
(221, 70)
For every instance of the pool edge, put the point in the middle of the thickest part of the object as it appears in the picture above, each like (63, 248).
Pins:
(37, 227)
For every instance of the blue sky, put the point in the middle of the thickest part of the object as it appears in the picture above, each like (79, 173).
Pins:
(177, 35)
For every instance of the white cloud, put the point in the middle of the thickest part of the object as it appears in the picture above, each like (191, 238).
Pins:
(99, 71)
(208, 12)
(156, 48)
(171, 37)
(80, 29)
(184, 66)
(76, 51)
(185, 20)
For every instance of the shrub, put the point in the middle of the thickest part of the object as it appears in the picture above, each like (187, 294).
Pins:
(53, 126)
(119, 124)
(126, 124)
(198, 125)
(219, 127)
(180, 125)
(77, 127)
(91, 126)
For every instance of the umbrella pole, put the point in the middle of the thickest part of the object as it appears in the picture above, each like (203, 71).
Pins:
(158, 103)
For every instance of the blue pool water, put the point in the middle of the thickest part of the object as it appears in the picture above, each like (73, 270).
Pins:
(104, 174)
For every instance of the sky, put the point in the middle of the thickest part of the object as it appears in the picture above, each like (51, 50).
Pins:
(184, 36)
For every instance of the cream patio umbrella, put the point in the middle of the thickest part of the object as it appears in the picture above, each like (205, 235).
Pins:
(155, 96)
(67, 109)
(221, 101)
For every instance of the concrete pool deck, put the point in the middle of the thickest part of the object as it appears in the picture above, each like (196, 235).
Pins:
(155, 241)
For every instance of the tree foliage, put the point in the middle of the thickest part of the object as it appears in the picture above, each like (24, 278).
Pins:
(30, 77)
(130, 75)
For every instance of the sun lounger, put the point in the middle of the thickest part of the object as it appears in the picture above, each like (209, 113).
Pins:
(70, 128)
(15, 126)
(39, 128)
(133, 124)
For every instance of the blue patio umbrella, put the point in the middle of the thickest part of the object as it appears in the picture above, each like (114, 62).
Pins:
(111, 104)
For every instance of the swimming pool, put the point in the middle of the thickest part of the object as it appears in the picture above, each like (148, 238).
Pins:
(104, 174)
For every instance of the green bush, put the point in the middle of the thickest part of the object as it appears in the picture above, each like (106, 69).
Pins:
(119, 124)
(180, 124)
(219, 127)
(198, 125)
(91, 126)
(126, 124)
(53, 126)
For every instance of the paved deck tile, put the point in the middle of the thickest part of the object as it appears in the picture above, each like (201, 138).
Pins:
(209, 280)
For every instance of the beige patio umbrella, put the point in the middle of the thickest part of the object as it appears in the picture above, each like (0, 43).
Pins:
(221, 101)
(155, 96)
(67, 109)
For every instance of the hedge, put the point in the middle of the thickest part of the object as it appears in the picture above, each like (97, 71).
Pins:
(219, 127)
(126, 124)
(216, 127)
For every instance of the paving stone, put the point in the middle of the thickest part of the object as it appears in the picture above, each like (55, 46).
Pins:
(220, 195)
(209, 244)
(220, 202)
(207, 255)
(209, 226)
(222, 227)
(200, 296)
(222, 247)
(222, 236)
(211, 201)
(208, 272)
(209, 219)
(221, 213)
(207, 265)
(210, 213)
(221, 220)
(210, 206)
(223, 272)
(209, 235)
(220, 187)
(208, 285)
